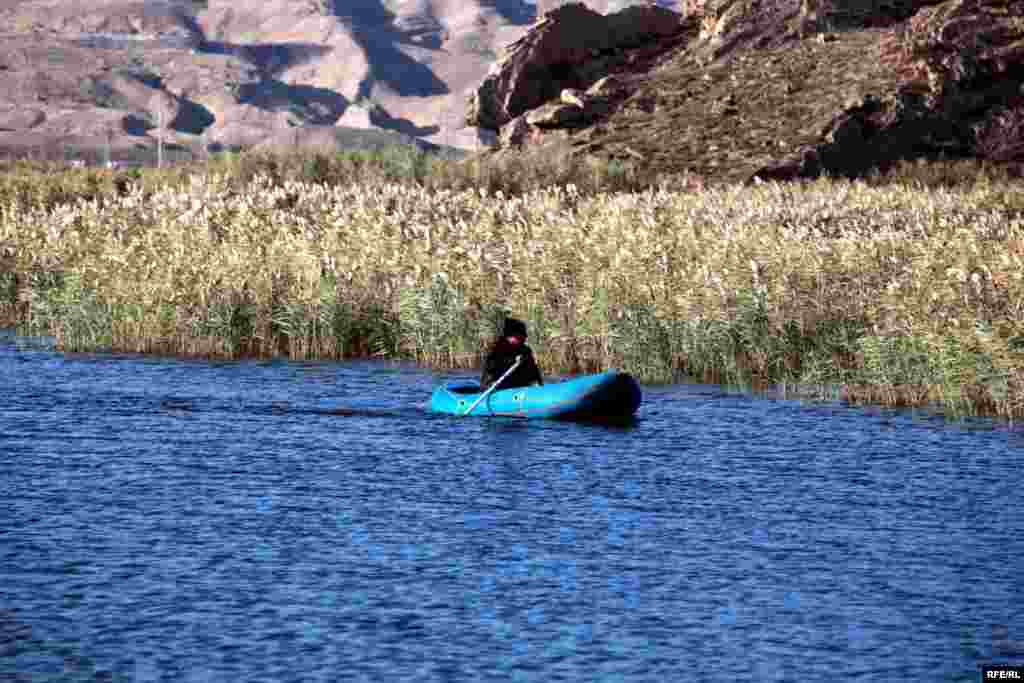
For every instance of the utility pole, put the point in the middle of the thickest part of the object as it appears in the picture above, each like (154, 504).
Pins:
(160, 137)
(446, 122)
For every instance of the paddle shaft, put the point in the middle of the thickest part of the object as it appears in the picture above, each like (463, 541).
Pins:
(494, 386)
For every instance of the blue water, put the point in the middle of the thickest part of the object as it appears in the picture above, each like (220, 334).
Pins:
(175, 520)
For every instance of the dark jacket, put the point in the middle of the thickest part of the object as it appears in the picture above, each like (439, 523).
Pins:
(501, 357)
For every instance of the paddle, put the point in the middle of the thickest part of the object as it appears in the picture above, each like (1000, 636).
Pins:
(494, 386)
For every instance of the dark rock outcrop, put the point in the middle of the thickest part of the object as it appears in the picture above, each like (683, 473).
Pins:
(555, 115)
(569, 47)
(726, 25)
(575, 108)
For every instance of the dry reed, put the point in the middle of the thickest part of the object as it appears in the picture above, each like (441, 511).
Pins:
(898, 294)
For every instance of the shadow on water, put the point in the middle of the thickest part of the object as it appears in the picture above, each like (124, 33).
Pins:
(345, 412)
(513, 425)
(177, 405)
(498, 424)
(620, 423)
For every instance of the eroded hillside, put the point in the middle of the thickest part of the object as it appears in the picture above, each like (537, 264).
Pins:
(202, 73)
(749, 89)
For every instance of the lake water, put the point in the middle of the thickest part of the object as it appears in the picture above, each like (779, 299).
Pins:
(175, 520)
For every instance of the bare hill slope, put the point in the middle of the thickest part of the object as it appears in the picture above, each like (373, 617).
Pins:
(99, 74)
(755, 89)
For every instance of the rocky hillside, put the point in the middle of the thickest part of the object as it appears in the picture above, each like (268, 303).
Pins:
(719, 89)
(736, 90)
(90, 74)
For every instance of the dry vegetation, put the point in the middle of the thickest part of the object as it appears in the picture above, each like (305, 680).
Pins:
(907, 291)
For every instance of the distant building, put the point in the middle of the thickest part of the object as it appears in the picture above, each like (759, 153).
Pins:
(125, 164)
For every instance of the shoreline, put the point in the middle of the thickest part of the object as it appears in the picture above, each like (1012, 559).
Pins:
(893, 294)
(879, 397)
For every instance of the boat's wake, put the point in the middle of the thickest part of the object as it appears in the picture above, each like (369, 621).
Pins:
(178, 405)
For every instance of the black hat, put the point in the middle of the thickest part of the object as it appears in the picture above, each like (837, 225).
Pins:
(513, 328)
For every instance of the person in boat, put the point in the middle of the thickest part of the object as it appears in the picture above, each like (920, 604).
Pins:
(502, 356)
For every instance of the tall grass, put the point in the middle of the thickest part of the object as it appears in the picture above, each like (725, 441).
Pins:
(47, 184)
(898, 293)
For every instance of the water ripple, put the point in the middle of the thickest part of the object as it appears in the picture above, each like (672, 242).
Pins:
(167, 520)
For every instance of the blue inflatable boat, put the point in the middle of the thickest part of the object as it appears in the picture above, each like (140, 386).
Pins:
(608, 395)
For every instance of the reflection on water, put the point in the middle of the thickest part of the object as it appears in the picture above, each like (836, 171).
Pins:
(174, 520)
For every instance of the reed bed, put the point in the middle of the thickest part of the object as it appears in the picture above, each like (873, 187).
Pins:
(890, 293)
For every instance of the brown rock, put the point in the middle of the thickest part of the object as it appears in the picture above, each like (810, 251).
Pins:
(609, 86)
(593, 104)
(554, 53)
(634, 25)
(555, 115)
(722, 24)
(1000, 136)
(573, 109)
(574, 96)
(966, 41)
(727, 25)
(973, 52)
(515, 133)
